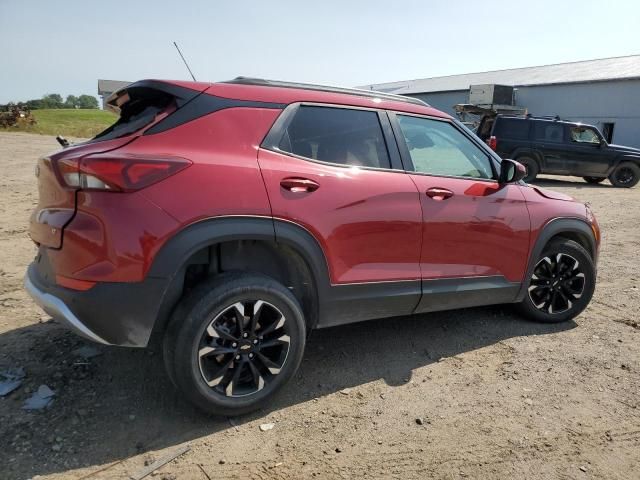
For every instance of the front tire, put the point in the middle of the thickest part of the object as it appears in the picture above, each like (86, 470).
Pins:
(625, 175)
(532, 168)
(561, 285)
(233, 342)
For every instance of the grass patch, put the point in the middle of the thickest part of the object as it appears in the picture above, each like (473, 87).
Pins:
(68, 123)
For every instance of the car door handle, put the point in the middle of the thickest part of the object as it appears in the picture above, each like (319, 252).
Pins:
(439, 193)
(299, 185)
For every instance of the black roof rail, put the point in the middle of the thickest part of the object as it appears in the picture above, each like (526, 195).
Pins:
(544, 117)
(325, 88)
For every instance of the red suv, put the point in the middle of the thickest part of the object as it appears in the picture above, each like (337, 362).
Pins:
(233, 218)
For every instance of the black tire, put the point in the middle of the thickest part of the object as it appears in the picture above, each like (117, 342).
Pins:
(625, 175)
(594, 180)
(532, 168)
(191, 332)
(554, 280)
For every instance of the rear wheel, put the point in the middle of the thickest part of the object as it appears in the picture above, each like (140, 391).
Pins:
(627, 175)
(531, 166)
(594, 180)
(234, 342)
(561, 285)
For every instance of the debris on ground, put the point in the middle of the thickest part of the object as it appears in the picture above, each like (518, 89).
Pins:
(87, 352)
(12, 380)
(160, 462)
(40, 399)
(267, 426)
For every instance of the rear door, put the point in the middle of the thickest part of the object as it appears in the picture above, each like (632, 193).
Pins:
(550, 139)
(329, 170)
(475, 232)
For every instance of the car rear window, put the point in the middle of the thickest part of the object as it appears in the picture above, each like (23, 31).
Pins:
(548, 132)
(140, 108)
(515, 128)
(337, 135)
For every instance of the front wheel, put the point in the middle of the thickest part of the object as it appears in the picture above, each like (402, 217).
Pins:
(626, 175)
(561, 285)
(233, 342)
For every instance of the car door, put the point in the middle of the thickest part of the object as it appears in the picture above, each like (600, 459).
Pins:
(550, 139)
(328, 169)
(586, 151)
(475, 232)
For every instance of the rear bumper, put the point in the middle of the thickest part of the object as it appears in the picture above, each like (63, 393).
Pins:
(119, 313)
(59, 310)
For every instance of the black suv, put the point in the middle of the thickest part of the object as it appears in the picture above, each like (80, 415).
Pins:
(550, 145)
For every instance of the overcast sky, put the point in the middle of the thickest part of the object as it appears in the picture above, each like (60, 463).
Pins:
(64, 46)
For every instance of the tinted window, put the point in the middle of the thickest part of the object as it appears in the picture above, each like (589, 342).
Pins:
(583, 135)
(512, 128)
(548, 132)
(337, 135)
(438, 148)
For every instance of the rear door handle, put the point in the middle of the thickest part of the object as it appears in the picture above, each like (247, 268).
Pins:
(299, 185)
(439, 193)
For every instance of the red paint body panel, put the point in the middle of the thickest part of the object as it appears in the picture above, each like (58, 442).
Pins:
(225, 178)
(367, 222)
(112, 238)
(542, 209)
(481, 230)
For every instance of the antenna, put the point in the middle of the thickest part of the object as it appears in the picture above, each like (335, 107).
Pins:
(185, 62)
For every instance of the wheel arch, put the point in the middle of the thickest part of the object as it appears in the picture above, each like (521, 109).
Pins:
(293, 246)
(574, 229)
(529, 152)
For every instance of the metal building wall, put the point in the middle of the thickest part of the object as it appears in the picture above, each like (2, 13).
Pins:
(594, 103)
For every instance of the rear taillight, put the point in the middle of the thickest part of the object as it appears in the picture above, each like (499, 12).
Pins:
(492, 142)
(117, 173)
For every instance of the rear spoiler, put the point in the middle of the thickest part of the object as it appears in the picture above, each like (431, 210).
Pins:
(141, 88)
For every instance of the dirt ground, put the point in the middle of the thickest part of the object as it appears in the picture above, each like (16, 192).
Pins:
(476, 393)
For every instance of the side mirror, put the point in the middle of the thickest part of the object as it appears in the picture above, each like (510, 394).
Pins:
(511, 171)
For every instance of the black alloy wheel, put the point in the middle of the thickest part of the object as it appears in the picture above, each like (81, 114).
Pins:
(244, 348)
(557, 283)
(560, 284)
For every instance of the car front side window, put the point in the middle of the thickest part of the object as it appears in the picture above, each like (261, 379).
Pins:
(436, 147)
(584, 135)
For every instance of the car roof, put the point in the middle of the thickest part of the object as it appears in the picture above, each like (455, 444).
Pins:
(273, 91)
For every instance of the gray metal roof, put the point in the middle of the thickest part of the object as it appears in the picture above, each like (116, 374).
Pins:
(616, 68)
(107, 87)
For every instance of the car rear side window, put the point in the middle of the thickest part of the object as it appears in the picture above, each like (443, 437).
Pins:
(548, 132)
(513, 128)
(438, 148)
(337, 135)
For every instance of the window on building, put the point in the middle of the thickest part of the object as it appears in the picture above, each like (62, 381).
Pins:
(337, 135)
(584, 135)
(548, 132)
(438, 148)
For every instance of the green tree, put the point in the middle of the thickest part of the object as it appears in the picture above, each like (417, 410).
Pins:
(71, 102)
(52, 100)
(87, 101)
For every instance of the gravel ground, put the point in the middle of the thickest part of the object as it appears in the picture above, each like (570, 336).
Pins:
(463, 394)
